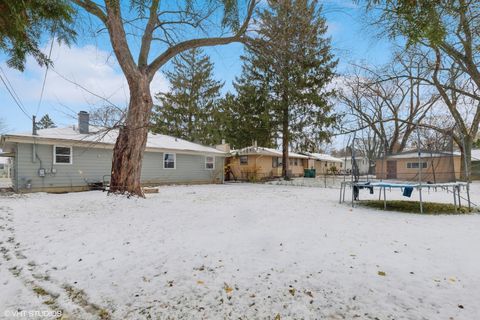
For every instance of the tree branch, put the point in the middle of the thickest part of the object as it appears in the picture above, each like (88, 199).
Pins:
(92, 8)
(201, 42)
(147, 35)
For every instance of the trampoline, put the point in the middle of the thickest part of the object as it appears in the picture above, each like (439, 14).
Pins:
(407, 188)
(420, 180)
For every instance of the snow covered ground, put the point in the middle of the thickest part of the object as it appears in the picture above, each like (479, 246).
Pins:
(247, 251)
(5, 182)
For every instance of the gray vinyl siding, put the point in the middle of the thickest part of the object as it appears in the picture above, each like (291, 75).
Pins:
(15, 170)
(188, 169)
(92, 164)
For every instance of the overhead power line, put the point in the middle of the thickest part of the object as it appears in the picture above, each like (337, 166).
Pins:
(44, 78)
(13, 93)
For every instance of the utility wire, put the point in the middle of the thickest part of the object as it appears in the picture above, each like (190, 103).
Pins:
(12, 93)
(44, 78)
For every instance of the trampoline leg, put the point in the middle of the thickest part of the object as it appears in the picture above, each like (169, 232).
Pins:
(344, 188)
(353, 195)
(341, 189)
(421, 200)
(458, 195)
(454, 199)
(468, 197)
(384, 200)
(380, 194)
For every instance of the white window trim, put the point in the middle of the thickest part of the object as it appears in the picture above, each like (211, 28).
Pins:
(240, 161)
(207, 162)
(55, 155)
(174, 160)
(423, 165)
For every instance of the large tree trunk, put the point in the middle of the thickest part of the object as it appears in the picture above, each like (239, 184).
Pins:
(132, 139)
(466, 158)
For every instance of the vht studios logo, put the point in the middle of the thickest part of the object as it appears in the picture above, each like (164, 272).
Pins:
(33, 313)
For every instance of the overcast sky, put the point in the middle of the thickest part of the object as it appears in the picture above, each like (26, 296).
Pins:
(91, 64)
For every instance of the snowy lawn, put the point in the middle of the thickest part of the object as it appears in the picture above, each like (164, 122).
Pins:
(235, 251)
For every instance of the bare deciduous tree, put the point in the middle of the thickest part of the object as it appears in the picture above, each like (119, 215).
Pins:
(108, 116)
(164, 30)
(386, 103)
(449, 31)
(3, 126)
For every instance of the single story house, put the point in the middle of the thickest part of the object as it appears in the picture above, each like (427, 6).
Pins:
(324, 163)
(5, 167)
(72, 158)
(257, 163)
(364, 165)
(435, 166)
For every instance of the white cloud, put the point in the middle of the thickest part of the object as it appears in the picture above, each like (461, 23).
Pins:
(333, 28)
(88, 66)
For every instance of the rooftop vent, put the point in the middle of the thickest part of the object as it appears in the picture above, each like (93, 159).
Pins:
(83, 122)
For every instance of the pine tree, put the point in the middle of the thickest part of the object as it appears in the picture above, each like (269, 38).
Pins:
(244, 118)
(45, 122)
(23, 23)
(290, 63)
(187, 111)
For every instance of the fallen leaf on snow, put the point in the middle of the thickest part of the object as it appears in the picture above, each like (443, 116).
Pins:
(382, 273)
(227, 288)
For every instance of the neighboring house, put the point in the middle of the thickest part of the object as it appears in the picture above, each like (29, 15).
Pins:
(363, 163)
(72, 158)
(435, 166)
(476, 164)
(5, 167)
(258, 163)
(325, 163)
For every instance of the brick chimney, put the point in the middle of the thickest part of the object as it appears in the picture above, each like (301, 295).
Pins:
(83, 122)
(225, 147)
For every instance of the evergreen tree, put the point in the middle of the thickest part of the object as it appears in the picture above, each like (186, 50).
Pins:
(45, 122)
(188, 110)
(22, 23)
(245, 118)
(289, 65)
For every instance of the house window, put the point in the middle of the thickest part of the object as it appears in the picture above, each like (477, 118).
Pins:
(243, 159)
(274, 162)
(295, 162)
(169, 161)
(290, 162)
(415, 165)
(62, 155)
(209, 162)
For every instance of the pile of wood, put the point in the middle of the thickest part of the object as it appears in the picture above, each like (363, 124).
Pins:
(150, 190)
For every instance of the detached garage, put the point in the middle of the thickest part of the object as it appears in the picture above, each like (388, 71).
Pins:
(435, 166)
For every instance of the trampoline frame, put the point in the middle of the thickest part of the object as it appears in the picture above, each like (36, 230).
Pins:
(455, 186)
